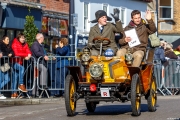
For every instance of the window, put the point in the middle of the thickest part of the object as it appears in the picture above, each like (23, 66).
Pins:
(36, 1)
(85, 15)
(166, 9)
(105, 7)
(18, 31)
(10, 34)
(2, 33)
(122, 15)
(166, 25)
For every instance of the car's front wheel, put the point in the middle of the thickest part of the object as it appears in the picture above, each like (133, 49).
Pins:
(152, 97)
(70, 90)
(136, 95)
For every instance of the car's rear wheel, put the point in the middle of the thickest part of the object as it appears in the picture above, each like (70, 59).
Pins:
(91, 106)
(70, 89)
(136, 95)
(152, 98)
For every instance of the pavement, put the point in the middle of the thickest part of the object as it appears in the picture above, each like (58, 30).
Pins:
(35, 101)
(31, 101)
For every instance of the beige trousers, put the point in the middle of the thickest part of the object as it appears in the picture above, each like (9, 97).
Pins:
(138, 56)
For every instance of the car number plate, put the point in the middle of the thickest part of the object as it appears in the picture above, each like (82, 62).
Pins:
(104, 92)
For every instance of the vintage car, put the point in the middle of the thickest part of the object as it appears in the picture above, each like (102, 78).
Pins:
(110, 79)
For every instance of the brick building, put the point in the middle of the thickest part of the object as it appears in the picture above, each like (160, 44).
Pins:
(169, 20)
(56, 6)
(51, 18)
(54, 21)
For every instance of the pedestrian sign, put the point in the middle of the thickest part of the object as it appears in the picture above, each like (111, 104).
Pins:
(75, 20)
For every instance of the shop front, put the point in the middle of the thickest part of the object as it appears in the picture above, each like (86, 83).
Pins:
(13, 19)
(54, 27)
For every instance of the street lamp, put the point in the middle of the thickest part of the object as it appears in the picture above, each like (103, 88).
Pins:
(157, 9)
(71, 27)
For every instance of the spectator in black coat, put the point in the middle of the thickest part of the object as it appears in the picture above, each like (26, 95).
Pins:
(5, 50)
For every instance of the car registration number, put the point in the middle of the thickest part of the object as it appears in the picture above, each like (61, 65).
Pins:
(104, 92)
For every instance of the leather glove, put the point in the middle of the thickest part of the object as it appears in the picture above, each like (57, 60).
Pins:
(116, 14)
(97, 45)
(90, 45)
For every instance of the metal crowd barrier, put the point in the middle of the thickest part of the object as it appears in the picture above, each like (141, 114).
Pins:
(9, 80)
(158, 74)
(172, 76)
(53, 78)
(36, 77)
(167, 77)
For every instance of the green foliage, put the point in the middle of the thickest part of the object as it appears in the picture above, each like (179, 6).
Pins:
(30, 29)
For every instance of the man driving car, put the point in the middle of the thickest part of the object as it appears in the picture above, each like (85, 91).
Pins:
(104, 29)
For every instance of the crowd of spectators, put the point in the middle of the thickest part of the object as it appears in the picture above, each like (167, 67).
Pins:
(162, 55)
(165, 52)
(14, 56)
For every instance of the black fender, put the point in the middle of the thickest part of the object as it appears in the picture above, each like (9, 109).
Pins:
(134, 70)
(75, 71)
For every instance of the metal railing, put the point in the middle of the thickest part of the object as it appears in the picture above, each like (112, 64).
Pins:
(167, 77)
(50, 75)
(55, 69)
(21, 72)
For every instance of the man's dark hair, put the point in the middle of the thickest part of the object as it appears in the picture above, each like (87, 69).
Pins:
(135, 12)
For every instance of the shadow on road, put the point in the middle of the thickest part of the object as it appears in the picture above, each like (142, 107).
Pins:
(112, 110)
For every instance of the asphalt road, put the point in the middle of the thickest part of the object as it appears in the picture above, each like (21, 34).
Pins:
(168, 109)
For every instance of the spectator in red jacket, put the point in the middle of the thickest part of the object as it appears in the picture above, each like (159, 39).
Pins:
(22, 51)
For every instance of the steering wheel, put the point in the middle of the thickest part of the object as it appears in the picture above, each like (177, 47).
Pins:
(104, 41)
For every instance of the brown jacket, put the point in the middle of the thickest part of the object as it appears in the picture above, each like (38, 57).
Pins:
(108, 32)
(170, 54)
(143, 31)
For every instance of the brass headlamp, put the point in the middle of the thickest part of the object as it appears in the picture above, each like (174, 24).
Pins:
(86, 56)
(128, 56)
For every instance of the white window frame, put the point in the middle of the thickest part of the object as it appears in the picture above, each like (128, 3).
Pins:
(123, 19)
(172, 9)
(85, 18)
(107, 8)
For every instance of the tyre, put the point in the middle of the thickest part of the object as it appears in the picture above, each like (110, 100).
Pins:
(91, 106)
(152, 98)
(70, 89)
(136, 95)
